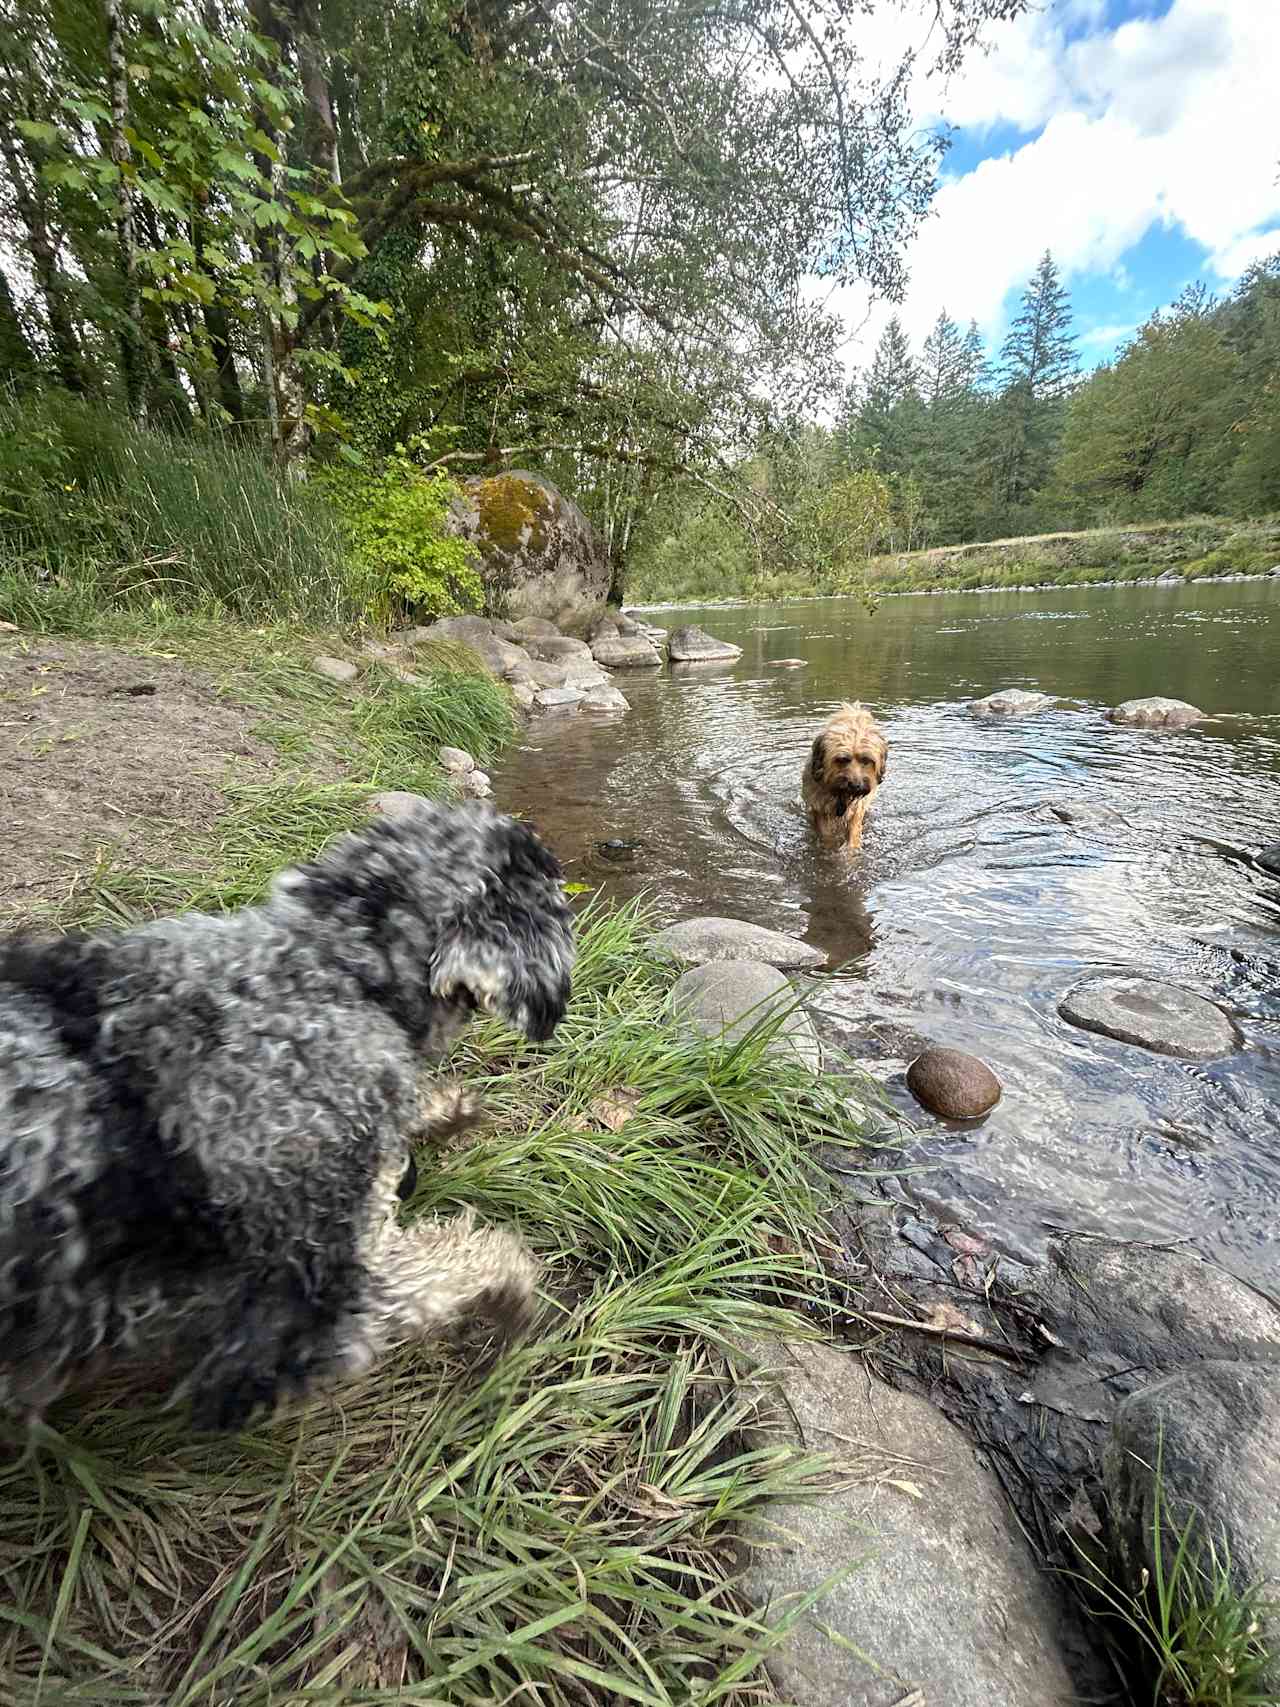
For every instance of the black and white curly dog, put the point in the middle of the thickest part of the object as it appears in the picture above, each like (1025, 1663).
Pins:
(206, 1123)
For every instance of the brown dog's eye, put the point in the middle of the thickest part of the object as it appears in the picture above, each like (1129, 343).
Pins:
(842, 758)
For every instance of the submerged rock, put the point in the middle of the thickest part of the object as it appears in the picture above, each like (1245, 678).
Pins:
(1156, 713)
(952, 1084)
(1011, 702)
(605, 699)
(727, 999)
(950, 1606)
(1161, 1017)
(558, 699)
(693, 645)
(694, 942)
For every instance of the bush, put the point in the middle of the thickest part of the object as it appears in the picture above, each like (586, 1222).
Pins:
(101, 514)
(394, 524)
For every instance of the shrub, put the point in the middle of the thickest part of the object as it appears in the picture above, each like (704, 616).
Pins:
(394, 523)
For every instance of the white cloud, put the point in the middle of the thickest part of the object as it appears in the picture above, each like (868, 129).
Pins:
(1163, 121)
(1105, 335)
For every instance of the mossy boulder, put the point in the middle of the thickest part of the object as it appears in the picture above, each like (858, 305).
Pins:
(540, 556)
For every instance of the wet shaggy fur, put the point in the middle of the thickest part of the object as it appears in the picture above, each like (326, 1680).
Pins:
(206, 1123)
(842, 776)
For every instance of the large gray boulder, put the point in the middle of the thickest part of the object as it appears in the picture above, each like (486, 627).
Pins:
(694, 942)
(1214, 1431)
(1156, 713)
(1160, 1017)
(477, 632)
(693, 645)
(727, 999)
(539, 554)
(625, 652)
(1011, 702)
(947, 1604)
(556, 648)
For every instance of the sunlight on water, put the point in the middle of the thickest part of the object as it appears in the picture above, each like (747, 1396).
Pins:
(1005, 860)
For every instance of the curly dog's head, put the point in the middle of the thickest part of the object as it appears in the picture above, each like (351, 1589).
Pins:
(440, 911)
(850, 755)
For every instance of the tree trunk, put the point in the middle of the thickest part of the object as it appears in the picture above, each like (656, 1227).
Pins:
(315, 88)
(18, 366)
(135, 347)
(28, 199)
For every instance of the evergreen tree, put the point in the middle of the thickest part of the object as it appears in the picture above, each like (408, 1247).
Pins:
(889, 416)
(1037, 371)
(942, 363)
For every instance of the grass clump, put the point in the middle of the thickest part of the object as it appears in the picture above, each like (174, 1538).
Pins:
(96, 514)
(1193, 1635)
(562, 1529)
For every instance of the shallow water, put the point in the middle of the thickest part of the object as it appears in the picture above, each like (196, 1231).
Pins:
(973, 906)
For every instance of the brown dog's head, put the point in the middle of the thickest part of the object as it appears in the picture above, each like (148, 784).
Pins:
(850, 756)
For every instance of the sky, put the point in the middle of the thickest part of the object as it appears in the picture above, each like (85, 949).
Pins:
(1139, 140)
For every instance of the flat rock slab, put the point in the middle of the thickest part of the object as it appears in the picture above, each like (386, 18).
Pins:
(948, 1600)
(605, 699)
(625, 652)
(558, 699)
(1214, 1428)
(1159, 1017)
(693, 645)
(694, 942)
(1156, 713)
(1011, 702)
(727, 999)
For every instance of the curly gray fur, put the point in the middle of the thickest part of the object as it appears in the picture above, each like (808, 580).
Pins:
(203, 1121)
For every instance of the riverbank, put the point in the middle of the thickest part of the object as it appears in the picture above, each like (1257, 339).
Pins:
(1202, 549)
(564, 1525)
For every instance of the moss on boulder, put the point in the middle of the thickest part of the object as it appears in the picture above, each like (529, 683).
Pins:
(540, 555)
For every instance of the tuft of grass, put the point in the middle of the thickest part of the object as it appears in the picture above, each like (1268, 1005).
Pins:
(1200, 1639)
(96, 514)
(560, 1529)
(454, 707)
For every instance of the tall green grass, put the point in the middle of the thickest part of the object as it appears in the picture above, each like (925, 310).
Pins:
(562, 1529)
(95, 513)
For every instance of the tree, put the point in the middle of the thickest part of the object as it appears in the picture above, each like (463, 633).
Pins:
(1037, 370)
(1152, 430)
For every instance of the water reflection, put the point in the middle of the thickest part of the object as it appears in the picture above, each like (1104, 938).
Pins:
(1003, 862)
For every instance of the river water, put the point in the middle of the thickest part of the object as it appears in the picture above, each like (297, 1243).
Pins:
(1004, 861)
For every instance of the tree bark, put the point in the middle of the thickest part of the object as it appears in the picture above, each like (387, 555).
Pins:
(28, 200)
(18, 366)
(135, 349)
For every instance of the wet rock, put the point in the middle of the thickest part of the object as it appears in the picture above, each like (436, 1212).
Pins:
(1160, 1017)
(727, 999)
(625, 652)
(476, 785)
(603, 627)
(396, 803)
(952, 1084)
(1214, 1430)
(524, 694)
(1269, 858)
(558, 699)
(786, 663)
(457, 759)
(693, 645)
(1011, 702)
(694, 942)
(1156, 713)
(605, 699)
(556, 648)
(335, 670)
(950, 1606)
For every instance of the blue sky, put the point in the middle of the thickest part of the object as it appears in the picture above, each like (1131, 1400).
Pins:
(1139, 140)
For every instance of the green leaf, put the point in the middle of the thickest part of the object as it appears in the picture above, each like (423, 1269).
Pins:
(35, 130)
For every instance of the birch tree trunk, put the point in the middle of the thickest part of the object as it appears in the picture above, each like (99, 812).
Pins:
(134, 347)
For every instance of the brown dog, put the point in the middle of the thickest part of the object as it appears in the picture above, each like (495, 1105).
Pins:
(844, 772)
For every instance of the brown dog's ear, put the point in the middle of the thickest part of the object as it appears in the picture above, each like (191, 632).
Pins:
(819, 758)
(882, 762)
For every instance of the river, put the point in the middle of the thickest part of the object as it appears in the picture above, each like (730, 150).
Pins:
(1005, 860)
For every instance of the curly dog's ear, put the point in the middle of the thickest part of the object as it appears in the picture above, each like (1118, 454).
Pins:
(511, 949)
(819, 756)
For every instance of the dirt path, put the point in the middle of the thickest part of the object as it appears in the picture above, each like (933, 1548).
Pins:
(106, 753)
